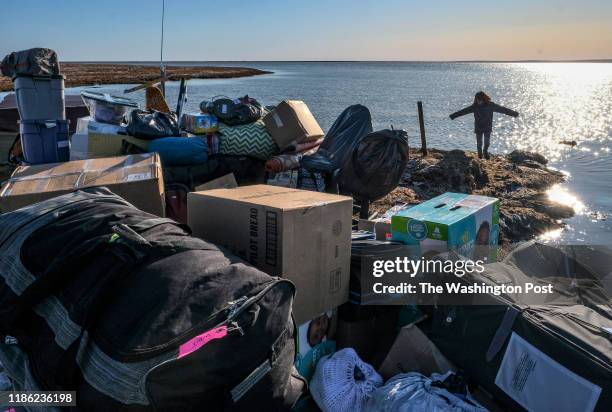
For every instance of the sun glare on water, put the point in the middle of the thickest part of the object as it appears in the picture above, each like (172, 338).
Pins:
(561, 102)
(562, 196)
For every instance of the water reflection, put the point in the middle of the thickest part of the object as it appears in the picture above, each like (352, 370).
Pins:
(561, 195)
(561, 101)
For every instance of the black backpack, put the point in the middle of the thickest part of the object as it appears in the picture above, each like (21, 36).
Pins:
(132, 313)
(234, 112)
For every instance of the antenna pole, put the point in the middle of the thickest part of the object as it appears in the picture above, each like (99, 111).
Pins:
(162, 69)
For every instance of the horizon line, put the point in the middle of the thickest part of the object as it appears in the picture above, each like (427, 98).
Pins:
(609, 60)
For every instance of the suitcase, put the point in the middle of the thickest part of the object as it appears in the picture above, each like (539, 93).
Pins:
(553, 353)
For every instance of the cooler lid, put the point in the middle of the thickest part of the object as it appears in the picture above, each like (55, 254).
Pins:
(107, 98)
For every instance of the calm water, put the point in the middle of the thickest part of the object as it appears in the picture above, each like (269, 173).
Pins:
(557, 101)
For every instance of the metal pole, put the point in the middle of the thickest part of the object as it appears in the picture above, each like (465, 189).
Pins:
(162, 69)
(422, 127)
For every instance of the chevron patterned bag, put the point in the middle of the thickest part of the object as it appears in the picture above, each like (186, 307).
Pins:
(247, 140)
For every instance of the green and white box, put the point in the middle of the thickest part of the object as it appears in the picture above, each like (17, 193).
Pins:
(467, 224)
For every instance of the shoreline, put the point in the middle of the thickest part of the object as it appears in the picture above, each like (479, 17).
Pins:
(520, 180)
(91, 74)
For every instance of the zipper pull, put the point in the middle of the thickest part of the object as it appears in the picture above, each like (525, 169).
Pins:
(234, 306)
(234, 326)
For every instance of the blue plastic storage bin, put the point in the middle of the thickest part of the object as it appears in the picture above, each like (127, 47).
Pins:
(45, 141)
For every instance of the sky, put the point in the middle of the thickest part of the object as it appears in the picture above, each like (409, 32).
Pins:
(217, 30)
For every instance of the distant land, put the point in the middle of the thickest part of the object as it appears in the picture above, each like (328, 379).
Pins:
(87, 74)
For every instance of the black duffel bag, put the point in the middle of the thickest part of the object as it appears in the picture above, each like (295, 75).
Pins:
(151, 125)
(133, 314)
(234, 112)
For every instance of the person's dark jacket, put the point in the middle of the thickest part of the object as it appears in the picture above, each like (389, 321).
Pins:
(483, 115)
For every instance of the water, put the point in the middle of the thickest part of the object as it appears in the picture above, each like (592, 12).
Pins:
(557, 101)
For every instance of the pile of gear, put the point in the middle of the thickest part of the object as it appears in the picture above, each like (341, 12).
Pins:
(144, 265)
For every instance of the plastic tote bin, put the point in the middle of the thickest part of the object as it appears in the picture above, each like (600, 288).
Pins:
(40, 97)
(45, 141)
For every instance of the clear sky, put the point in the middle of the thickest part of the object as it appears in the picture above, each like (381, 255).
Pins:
(311, 30)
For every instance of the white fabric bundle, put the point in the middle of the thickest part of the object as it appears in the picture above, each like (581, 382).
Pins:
(343, 382)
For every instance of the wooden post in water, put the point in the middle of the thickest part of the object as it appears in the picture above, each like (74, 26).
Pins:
(422, 127)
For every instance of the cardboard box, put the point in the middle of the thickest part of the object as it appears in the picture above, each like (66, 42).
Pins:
(291, 122)
(227, 181)
(136, 178)
(300, 235)
(316, 338)
(412, 351)
(200, 123)
(94, 139)
(467, 224)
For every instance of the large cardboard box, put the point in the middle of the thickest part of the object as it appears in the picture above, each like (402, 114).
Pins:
(300, 235)
(291, 122)
(136, 178)
(467, 224)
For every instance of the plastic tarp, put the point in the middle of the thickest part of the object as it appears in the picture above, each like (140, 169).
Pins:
(32, 62)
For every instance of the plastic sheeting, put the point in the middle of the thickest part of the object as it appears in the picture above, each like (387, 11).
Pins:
(152, 125)
(32, 62)
(412, 391)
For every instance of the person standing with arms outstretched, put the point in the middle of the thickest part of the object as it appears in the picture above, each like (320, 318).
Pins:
(483, 109)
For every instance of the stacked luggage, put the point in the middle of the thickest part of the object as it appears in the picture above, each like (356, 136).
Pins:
(39, 88)
(133, 313)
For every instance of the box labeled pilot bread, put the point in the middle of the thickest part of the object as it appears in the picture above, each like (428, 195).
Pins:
(296, 234)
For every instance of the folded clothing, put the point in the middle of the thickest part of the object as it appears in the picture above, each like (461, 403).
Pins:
(180, 151)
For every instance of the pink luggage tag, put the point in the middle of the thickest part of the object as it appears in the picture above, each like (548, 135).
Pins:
(197, 342)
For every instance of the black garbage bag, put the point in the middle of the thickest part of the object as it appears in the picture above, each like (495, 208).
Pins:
(337, 147)
(367, 164)
(32, 62)
(151, 125)
(376, 165)
(353, 123)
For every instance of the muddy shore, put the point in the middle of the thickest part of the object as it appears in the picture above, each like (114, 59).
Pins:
(520, 180)
(86, 74)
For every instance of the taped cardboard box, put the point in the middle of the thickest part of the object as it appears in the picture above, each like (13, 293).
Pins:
(136, 178)
(292, 122)
(300, 235)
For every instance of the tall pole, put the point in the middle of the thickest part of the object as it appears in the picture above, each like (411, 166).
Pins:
(162, 69)
(422, 127)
